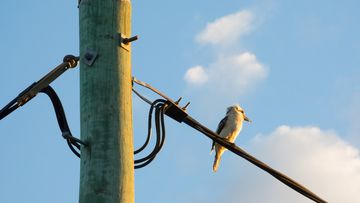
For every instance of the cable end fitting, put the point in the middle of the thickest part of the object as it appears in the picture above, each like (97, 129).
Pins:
(71, 60)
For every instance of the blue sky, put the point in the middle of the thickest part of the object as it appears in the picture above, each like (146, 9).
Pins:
(293, 67)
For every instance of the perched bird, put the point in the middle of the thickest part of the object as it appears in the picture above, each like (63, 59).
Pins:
(228, 128)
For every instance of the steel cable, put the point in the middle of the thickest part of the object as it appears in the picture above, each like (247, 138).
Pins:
(43, 85)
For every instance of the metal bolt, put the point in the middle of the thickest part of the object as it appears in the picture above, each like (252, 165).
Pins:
(184, 108)
(131, 39)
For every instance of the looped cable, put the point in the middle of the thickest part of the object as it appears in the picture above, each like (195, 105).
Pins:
(61, 118)
(43, 85)
(159, 106)
(30, 92)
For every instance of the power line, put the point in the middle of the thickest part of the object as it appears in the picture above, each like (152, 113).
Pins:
(160, 106)
(173, 110)
(43, 85)
(69, 61)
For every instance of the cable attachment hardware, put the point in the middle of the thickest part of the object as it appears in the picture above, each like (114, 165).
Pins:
(43, 85)
(71, 60)
(131, 39)
(175, 112)
(124, 41)
(90, 57)
(185, 107)
(68, 136)
(161, 107)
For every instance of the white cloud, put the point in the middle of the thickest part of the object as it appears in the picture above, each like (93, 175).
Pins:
(196, 75)
(234, 74)
(237, 73)
(231, 73)
(227, 29)
(320, 160)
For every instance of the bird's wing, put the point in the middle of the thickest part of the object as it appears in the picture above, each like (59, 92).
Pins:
(219, 129)
(221, 125)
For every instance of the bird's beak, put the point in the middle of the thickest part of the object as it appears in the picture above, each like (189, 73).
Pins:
(247, 119)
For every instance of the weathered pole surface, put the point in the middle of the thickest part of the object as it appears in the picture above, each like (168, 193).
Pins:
(107, 164)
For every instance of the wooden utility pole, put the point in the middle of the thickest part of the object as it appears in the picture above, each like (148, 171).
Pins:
(107, 163)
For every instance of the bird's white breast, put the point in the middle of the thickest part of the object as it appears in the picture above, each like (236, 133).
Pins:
(232, 126)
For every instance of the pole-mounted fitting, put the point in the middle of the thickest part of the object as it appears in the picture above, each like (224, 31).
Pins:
(90, 57)
(174, 111)
(125, 41)
(71, 60)
(184, 108)
(131, 39)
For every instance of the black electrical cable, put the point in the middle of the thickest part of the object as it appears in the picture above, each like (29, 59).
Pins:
(160, 136)
(14, 104)
(158, 105)
(59, 110)
(69, 61)
(149, 128)
(62, 122)
(162, 123)
(43, 85)
(73, 149)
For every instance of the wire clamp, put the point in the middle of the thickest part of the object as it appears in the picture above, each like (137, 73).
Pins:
(174, 111)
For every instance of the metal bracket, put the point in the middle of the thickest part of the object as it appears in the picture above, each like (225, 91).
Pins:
(90, 57)
(124, 41)
(174, 111)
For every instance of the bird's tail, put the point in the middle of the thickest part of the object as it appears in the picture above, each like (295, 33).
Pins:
(212, 147)
(216, 161)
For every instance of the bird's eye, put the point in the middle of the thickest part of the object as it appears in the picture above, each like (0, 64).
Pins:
(240, 110)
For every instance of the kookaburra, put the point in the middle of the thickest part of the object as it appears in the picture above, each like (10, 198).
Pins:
(228, 128)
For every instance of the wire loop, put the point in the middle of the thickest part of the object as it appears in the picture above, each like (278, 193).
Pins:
(158, 105)
(61, 118)
(43, 85)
